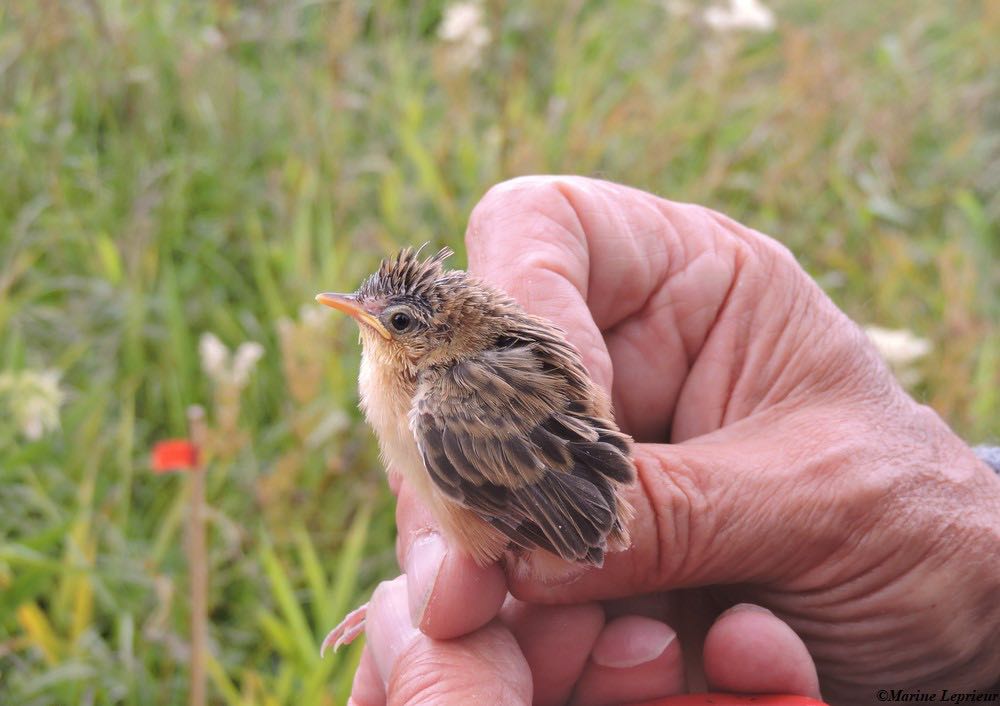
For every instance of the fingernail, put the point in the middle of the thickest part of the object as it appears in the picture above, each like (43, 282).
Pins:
(389, 627)
(746, 608)
(423, 564)
(630, 641)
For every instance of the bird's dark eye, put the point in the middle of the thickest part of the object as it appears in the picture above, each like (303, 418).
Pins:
(400, 321)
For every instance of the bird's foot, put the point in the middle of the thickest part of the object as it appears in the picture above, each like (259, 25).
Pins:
(350, 627)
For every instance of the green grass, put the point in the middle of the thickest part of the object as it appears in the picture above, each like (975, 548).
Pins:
(169, 168)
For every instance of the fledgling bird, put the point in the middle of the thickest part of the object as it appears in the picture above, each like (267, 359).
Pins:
(488, 412)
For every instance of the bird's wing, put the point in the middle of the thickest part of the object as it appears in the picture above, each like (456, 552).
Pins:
(513, 436)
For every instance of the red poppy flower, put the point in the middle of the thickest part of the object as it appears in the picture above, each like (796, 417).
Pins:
(174, 455)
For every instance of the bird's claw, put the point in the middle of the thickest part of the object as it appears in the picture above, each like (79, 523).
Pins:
(350, 627)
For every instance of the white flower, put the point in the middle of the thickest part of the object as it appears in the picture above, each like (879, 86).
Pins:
(461, 21)
(462, 28)
(899, 348)
(214, 355)
(224, 367)
(677, 8)
(33, 398)
(750, 15)
(245, 361)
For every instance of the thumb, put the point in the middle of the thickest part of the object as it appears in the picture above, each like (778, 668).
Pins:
(416, 670)
(730, 506)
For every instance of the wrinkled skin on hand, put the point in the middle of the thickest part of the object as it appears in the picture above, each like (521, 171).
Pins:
(779, 465)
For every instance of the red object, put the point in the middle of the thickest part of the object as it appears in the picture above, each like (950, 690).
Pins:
(174, 455)
(733, 700)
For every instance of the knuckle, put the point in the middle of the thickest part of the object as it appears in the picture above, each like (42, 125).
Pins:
(681, 519)
(521, 187)
(518, 195)
(457, 672)
(500, 197)
(427, 678)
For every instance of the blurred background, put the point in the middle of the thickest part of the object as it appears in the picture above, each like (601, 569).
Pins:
(179, 177)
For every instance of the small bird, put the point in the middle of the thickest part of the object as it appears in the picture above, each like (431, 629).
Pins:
(488, 412)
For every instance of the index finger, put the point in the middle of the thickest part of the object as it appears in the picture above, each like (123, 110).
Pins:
(525, 238)
(485, 666)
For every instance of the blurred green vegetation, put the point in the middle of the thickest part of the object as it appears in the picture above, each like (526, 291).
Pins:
(170, 168)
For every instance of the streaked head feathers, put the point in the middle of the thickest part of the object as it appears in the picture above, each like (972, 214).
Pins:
(406, 275)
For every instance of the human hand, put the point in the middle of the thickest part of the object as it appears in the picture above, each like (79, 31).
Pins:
(799, 477)
(557, 654)
(492, 648)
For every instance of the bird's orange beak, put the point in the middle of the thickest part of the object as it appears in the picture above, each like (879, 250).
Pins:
(348, 303)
